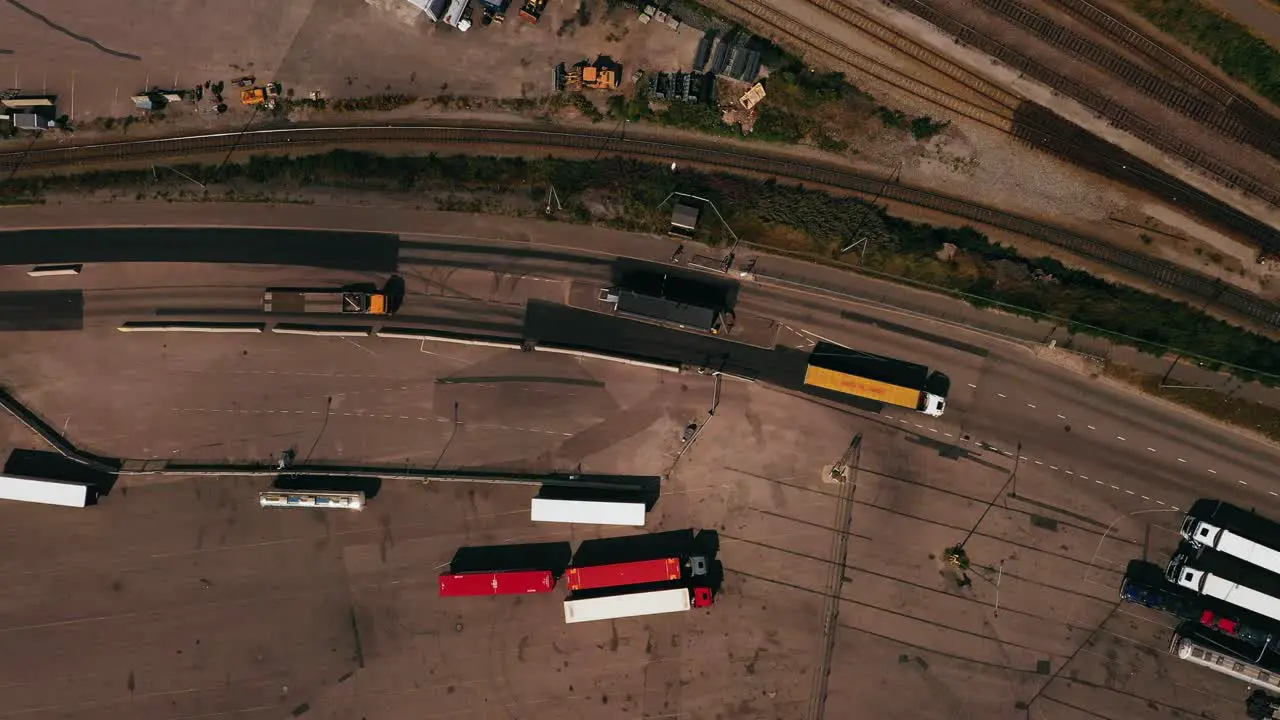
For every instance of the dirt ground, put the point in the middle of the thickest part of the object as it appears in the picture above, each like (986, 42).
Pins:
(343, 48)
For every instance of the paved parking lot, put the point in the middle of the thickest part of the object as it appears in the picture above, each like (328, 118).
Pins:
(180, 598)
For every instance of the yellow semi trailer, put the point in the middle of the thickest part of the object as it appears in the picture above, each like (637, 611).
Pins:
(893, 382)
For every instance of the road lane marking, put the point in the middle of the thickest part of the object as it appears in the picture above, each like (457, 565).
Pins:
(1115, 487)
(1098, 481)
(1181, 460)
(1091, 427)
(1030, 405)
(1001, 395)
(1053, 467)
(1070, 473)
(1242, 482)
(1119, 437)
(1038, 462)
(972, 385)
(1160, 501)
(1129, 491)
(1144, 497)
(1151, 449)
(1215, 472)
(1273, 493)
(1061, 416)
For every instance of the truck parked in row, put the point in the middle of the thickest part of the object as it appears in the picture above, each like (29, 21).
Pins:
(326, 301)
(873, 377)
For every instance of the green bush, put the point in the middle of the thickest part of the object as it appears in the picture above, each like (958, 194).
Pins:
(1227, 43)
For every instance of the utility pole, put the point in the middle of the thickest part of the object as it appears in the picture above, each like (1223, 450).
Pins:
(956, 554)
(1221, 288)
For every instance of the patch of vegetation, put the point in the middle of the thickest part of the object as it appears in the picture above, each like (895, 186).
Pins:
(894, 119)
(586, 107)
(923, 128)
(1227, 43)
(1262, 419)
(381, 103)
(694, 116)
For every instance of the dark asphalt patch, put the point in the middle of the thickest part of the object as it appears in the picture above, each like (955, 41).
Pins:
(918, 334)
(357, 251)
(42, 310)
(505, 251)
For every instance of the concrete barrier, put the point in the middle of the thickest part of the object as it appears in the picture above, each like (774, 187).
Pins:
(412, 334)
(667, 367)
(192, 327)
(51, 270)
(321, 331)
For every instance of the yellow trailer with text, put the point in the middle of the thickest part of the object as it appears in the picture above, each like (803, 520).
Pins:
(850, 372)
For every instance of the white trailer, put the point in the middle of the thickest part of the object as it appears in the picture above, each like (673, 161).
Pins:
(587, 512)
(1227, 579)
(630, 605)
(1238, 546)
(48, 492)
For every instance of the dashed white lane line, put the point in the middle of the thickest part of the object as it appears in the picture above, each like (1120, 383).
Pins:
(1213, 472)
(1151, 449)
(1115, 487)
(1272, 492)
(1144, 497)
(1129, 491)
(1001, 395)
(1091, 427)
(1181, 460)
(948, 434)
(1061, 416)
(972, 385)
(1069, 472)
(1031, 406)
(1119, 437)
(1038, 462)
(1160, 501)
(1053, 467)
(1098, 482)
(1242, 482)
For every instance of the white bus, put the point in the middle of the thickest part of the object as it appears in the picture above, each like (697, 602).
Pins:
(292, 498)
(630, 605)
(48, 492)
(588, 512)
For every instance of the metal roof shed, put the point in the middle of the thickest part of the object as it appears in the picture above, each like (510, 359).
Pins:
(684, 220)
(31, 121)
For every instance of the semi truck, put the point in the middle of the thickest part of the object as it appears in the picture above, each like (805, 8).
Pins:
(1216, 575)
(325, 301)
(873, 377)
(1235, 531)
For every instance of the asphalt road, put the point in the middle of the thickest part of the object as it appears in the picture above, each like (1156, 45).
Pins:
(1153, 455)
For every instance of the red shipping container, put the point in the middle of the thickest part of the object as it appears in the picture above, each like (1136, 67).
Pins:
(632, 573)
(497, 583)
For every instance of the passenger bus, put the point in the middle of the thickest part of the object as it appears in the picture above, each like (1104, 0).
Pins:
(508, 582)
(1226, 578)
(1234, 531)
(1201, 647)
(588, 512)
(611, 607)
(293, 498)
(47, 492)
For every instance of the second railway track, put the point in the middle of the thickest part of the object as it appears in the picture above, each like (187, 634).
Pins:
(1238, 302)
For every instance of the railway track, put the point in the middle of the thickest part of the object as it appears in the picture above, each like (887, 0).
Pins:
(1113, 112)
(1032, 124)
(1238, 302)
(984, 109)
(1205, 111)
(1243, 108)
